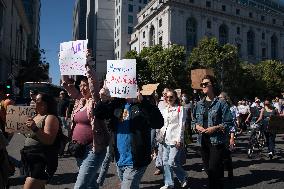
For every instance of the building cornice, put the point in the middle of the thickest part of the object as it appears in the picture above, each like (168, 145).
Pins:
(22, 14)
(184, 3)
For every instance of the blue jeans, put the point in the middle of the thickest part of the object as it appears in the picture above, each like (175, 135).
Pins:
(130, 176)
(89, 166)
(159, 158)
(270, 140)
(171, 161)
(105, 165)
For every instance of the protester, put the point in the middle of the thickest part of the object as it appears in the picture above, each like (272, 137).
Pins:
(159, 158)
(243, 109)
(172, 139)
(213, 120)
(266, 112)
(89, 134)
(33, 94)
(228, 162)
(40, 153)
(132, 120)
(62, 109)
(105, 101)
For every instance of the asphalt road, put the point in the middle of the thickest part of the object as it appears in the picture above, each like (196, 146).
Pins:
(256, 173)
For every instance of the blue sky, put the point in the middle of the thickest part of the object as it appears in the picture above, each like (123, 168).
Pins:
(55, 27)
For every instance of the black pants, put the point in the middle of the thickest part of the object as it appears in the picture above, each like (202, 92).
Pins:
(213, 156)
(228, 162)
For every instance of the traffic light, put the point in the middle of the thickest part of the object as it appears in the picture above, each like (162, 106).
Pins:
(8, 87)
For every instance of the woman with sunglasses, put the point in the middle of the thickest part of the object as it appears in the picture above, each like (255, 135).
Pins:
(173, 139)
(213, 120)
(265, 114)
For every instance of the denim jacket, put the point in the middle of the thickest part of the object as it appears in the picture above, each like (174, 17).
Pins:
(218, 114)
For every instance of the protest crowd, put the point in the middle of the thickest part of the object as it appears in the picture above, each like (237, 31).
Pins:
(90, 123)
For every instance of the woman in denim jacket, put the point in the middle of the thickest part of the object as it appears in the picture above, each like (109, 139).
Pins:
(212, 119)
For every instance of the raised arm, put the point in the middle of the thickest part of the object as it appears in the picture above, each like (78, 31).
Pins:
(68, 85)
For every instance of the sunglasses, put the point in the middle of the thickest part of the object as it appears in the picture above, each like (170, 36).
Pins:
(205, 84)
(169, 97)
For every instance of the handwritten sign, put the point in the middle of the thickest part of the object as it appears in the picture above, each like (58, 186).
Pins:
(197, 75)
(72, 58)
(276, 124)
(149, 89)
(121, 78)
(16, 118)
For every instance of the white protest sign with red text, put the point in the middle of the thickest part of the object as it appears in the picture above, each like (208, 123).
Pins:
(121, 78)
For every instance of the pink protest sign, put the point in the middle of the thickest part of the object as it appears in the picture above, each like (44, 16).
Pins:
(72, 58)
(121, 78)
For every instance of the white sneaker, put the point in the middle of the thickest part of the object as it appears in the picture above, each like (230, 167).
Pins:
(167, 187)
(270, 154)
(184, 183)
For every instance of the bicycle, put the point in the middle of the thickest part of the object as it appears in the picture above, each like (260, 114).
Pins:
(256, 140)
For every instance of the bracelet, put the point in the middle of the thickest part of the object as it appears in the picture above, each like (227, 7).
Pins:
(35, 129)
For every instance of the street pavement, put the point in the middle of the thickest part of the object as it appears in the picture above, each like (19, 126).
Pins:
(256, 173)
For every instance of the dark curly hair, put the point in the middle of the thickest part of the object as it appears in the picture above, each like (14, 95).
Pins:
(212, 79)
(50, 102)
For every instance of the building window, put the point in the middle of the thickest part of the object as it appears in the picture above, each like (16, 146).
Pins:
(223, 34)
(114, 44)
(274, 44)
(160, 40)
(117, 43)
(263, 36)
(191, 1)
(239, 47)
(191, 33)
(160, 22)
(250, 15)
(238, 11)
(130, 19)
(263, 52)
(208, 24)
(140, 1)
(224, 8)
(208, 3)
(250, 43)
(238, 30)
(130, 8)
(139, 8)
(274, 21)
(262, 18)
(152, 36)
(145, 1)
(143, 34)
(130, 30)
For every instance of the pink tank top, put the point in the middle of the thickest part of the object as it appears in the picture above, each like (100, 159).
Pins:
(82, 133)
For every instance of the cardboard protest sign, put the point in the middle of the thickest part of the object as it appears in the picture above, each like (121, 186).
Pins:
(276, 124)
(178, 92)
(16, 118)
(149, 89)
(72, 58)
(121, 78)
(197, 75)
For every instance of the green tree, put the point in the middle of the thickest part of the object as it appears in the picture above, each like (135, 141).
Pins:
(34, 70)
(223, 59)
(158, 65)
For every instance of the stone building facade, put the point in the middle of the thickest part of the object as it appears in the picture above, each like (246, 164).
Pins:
(256, 27)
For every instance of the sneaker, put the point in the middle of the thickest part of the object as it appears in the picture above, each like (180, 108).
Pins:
(184, 183)
(158, 172)
(167, 187)
(270, 154)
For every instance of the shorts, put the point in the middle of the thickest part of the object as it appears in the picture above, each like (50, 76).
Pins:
(39, 165)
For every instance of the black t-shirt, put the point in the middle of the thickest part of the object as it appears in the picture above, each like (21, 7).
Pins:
(62, 107)
(205, 116)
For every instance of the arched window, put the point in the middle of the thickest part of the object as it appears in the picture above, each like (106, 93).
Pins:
(223, 34)
(152, 36)
(191, 33)
(250, 43)
(274, 45)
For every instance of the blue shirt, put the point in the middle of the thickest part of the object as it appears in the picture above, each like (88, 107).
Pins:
(123, 139)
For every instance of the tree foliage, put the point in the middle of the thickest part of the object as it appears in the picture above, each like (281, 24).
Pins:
(158, 65)
(223, 59)
(34, 70)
